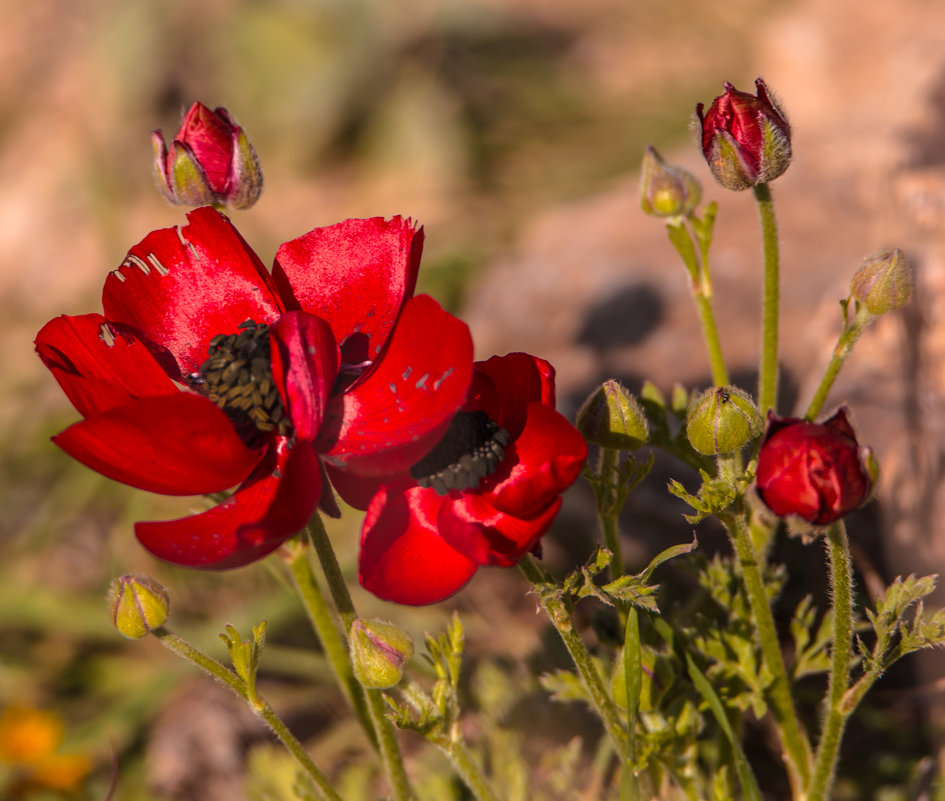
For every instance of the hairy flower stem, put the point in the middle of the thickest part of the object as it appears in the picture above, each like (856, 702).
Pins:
(220, 672)
(561, 619)
(797, 754)
(608, 508)
(701, 286)
(768, 367)
(465, 766)
(847, 339)
(298, 556)
(841, 582)
(386, 736)
(332, 570)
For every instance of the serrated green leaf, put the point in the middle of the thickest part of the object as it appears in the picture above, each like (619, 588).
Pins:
(563, 686)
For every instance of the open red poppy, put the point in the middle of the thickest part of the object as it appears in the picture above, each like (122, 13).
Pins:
(419, 547)
(319, 359)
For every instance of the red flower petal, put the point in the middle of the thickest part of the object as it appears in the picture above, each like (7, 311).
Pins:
(474, 527)
(402, 557)
(178, 444)
(391, 418)
(358, 491)
(305, 362)
(98, 365)
(182, 286)
(274, 504)
(523, 378)
(356, 274)
(548, 456)
(785, 485)
(209, 136)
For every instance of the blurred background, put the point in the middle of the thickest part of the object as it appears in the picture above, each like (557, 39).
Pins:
(513, 130)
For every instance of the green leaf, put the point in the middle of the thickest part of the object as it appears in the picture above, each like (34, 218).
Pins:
(563, 685)
(746, 777)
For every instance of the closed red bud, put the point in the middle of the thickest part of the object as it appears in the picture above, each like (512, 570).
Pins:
(816, 471)
(210, 161)
(745, 138)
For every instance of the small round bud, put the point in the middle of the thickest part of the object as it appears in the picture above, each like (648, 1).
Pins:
(612, 418)
(138, 605)
(884, 282)
(667, 190)
(379, 651)
(722, 420)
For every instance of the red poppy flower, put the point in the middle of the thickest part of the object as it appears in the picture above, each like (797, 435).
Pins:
(207, 373)
(816, 471)
(501, 468)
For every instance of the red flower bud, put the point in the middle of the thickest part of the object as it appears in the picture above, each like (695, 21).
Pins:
(816, 471)
(745, 138)
(210, 161)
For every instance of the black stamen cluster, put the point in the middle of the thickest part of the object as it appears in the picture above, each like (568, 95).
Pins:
(238, 379)
(471, 449)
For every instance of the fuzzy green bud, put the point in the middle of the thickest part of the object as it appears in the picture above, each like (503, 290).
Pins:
(884, 282)
(612, 418)
(665, 189)
(379, 651)
(138, 605)
(722, 420)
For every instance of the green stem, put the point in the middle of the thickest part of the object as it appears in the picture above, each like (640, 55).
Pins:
(332, 570)
(847, 339)
(703, 300)
(298, 557)
(259, 706)
(797, 749)
(561, 619)
(841, 581)
(377, 710)
(701, 287)
(768, 367)
(632, 677)
(607, 507)
(390, 750)
(466, 767)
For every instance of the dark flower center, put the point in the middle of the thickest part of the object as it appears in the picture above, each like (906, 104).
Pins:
(237, 377)
(471, 449)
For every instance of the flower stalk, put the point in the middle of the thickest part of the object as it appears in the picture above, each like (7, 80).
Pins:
(797, 754)
(841, 584)
(845, 342)
(768, 367)
(377, 725)
(697, 265)
(297, 555)
(561, 619)
(259, 706)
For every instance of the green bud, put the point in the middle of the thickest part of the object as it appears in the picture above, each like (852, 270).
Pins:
(379, 651)
(138, 605)
(667, 190)
(612, 418)
(722, 420)
(884, 282)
